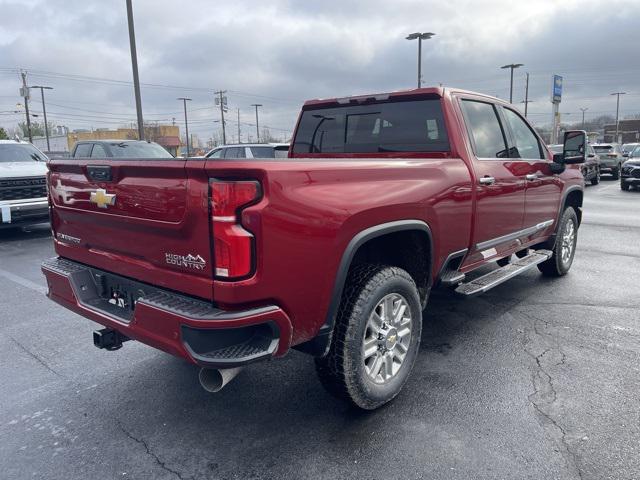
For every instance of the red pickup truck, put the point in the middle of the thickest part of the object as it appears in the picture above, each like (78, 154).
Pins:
(332, 251)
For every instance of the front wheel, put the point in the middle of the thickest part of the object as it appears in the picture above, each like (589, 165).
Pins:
(596, 180)
(375, 339)
(615, 172)
(564, 248)
(624, 185)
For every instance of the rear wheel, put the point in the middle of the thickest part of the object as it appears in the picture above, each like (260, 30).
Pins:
(564, 248)
(375, 339)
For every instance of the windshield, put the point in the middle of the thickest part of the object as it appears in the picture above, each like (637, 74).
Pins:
(636, 152)
(603, 148)
(629, 147)
(20, 152)
(138, 150)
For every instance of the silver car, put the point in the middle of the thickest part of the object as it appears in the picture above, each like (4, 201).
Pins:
(611, 158)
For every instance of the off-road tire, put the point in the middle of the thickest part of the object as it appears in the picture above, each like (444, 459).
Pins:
(342, 371)
(556, 266)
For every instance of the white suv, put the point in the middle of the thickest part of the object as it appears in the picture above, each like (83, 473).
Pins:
(23, 184)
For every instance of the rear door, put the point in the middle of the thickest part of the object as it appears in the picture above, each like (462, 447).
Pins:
(501, 184)
(145, 219)
(543, 188)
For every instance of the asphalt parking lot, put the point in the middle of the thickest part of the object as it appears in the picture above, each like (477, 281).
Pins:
(536, 379)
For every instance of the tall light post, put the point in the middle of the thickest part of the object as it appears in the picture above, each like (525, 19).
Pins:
(583, 110)
(186, 124)
(257, 124)
(420, 36)
(617, 94)
(134, 66)
(44, 112)
(512, 66)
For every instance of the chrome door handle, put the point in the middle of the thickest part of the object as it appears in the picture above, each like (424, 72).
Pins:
(486, 180)
(532, 176)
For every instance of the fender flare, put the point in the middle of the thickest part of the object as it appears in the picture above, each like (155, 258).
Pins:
(319, 345)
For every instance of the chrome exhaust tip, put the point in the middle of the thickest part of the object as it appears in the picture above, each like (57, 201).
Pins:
(213, 380)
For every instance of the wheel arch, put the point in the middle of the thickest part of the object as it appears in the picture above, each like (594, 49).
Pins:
(357, 249)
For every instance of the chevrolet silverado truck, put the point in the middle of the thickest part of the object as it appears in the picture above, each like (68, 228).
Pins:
(332, 251)
(23, 189)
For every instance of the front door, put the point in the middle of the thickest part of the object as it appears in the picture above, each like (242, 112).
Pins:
(500, 183)
(544, 188)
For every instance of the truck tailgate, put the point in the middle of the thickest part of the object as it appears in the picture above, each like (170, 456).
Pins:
(144, 219)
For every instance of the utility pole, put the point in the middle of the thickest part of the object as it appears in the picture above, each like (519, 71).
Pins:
(44, 112)
(25, 95)
(257, 124)
(186, 124)
(134, 66)
(420, 36)
(583, 110)
(239, 141)
(512, 66)
(526, 96)
(618, 112)
(222, 100)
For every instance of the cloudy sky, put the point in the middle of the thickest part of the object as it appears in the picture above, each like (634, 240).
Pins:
(280, 52)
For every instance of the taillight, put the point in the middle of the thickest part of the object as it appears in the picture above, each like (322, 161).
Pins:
(232, 244)
(612, 155)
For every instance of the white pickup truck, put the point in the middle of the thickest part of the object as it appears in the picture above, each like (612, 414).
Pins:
(23, 184)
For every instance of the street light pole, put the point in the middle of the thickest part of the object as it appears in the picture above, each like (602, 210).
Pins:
(186, 123)
(134, 66)
(512, 66)
(257, 124)
(44, 112)
(618, 112)
(420, 36)
(583, 110)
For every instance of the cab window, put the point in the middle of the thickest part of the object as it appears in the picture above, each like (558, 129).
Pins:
(83, 150)
(485, 129)
(525, 141)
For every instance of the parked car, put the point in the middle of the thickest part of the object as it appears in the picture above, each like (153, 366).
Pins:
(250, 150)
(590, 168)
(627, 148)
(332, 251)
(610, 158)
(630, 174)
(118, 149)
(23, 190)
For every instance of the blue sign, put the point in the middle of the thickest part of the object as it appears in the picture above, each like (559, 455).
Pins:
(557, 89)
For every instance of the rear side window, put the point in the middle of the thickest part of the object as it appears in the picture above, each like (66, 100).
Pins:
(262, 152)
(401, 126)
(485, 129)
(234, 152)
(83, 150)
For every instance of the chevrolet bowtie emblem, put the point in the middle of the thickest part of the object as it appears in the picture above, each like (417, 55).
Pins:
(103, 199)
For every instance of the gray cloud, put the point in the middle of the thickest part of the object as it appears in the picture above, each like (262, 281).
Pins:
(281, 52)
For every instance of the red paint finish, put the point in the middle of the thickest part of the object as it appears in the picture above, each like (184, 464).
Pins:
(310, 208)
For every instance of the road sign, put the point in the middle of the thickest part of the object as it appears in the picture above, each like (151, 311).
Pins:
(556, 93)
(24, 92)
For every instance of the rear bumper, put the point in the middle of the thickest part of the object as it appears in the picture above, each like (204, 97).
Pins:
(177, 324)
(23, 212)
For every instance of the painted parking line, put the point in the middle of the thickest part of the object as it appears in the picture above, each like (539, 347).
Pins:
(23, 281)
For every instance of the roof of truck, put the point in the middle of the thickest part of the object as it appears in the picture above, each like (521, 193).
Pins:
(372, 97)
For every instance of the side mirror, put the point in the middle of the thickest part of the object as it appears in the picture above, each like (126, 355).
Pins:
(575, 144)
